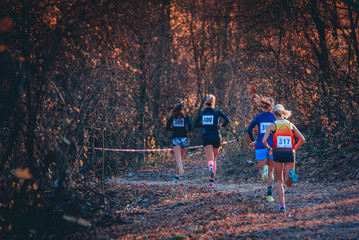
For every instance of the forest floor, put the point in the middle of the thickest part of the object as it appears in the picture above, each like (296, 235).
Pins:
(150, 206)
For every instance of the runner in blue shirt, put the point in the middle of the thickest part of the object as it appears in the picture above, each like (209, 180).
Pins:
(264, 159)
(180, 124)
(208, 119)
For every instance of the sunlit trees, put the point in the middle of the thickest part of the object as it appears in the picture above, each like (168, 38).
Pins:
(78, 73)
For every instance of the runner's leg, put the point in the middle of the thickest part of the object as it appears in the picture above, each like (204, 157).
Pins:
(270, 172)
(261, 164)
(183, 152)
(208, 149)
(270, 180)
(180, 166)
(262, 172)
(177, 154)
(278, 171)
(287, 166)
(215, 155)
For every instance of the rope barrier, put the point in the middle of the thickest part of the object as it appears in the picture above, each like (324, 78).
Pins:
(149, 150)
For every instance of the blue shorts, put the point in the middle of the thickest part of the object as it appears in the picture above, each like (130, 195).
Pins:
(263, 154)
(180, 141)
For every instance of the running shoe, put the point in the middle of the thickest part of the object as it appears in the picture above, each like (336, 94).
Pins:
(211, 172)
(175, 181)
(211, 182)
(264, 174)
(293, 176)
(269, 192)
(270, 198)
(180, 167)
(282, 209)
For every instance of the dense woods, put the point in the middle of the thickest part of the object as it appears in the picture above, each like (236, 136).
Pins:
(81, 74)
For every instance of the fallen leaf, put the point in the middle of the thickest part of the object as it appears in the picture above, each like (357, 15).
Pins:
(23, 173)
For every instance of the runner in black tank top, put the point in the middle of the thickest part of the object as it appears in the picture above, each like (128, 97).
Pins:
(180, 124)
(208, 119)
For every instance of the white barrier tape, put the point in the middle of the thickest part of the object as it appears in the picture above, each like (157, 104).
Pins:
(149, 150)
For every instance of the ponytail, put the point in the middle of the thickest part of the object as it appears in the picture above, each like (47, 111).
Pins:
(281, 112)
(264, 103)
(210, 100)
(178, 110)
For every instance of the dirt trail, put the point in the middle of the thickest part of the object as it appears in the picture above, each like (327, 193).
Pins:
(150, 206)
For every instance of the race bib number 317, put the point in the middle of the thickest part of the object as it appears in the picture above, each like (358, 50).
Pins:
(207, 120)
(284, 142)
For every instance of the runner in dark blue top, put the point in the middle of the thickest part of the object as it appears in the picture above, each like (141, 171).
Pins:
(264, 159)
(180, 124)
(208, 119)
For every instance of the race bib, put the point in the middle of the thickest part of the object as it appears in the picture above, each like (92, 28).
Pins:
(284, 142)
(207, 120)
(264, 127)
(178, 122)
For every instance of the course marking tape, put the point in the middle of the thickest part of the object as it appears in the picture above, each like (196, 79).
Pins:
(149, 150)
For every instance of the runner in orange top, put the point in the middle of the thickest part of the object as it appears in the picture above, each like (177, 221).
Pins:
(283, 150)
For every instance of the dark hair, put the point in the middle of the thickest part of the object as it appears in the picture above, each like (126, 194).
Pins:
(178, 110)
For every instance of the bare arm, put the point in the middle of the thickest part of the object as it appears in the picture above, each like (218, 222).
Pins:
(271, 128)
(168, 125)
(299, 136)
(197, 122)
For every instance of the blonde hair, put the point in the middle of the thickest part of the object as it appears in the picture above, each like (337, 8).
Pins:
(281, 112)
(264, 103)
(210, 100)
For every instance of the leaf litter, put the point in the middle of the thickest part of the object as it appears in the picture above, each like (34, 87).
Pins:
(153, 207)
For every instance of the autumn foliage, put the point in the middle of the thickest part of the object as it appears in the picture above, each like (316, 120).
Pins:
(78, 74)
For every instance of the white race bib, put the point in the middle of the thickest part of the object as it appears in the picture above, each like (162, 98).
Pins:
(179, 122)
(207, 120)
(284, 142)
(264, 127)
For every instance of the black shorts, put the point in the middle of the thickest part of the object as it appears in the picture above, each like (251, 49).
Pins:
(283, 155)
(215, 141)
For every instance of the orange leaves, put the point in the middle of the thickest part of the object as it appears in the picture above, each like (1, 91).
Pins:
(117, 51)
(6, 24)
(2, 48)
(51, 16)
(23, 173)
